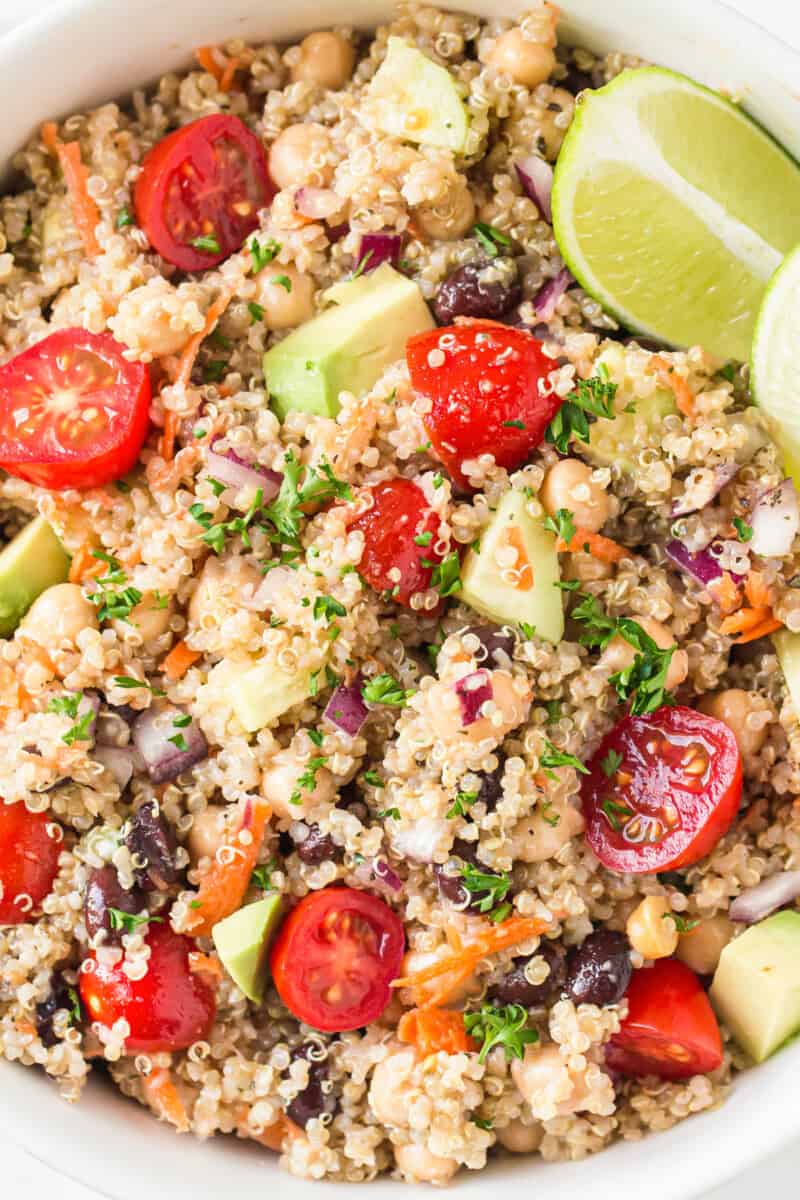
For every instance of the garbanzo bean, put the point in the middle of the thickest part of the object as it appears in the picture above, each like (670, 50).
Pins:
(736, 708)
(526, 62)
(701, 947)
(298, 156)
(286, 295)
(449, 218)
(325, 60)
(519, 1138)
(58, 615)
(651, 930)
(417, 1162)
(569, 484)
(619, 653)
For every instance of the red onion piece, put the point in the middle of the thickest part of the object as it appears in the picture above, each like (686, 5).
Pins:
(536, 177)
(119, 760)
(164, 760)
(702, 565)
(381, 248)
(384, 872)
(759, 901)
(775, 522)
(337, 232)
(346, 708)
(472, 691)
(545, 302)
(317, 203)
(711, 488)
(234, 472)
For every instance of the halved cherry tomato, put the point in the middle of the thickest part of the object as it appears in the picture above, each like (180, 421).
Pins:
(335, 956)
(73, 411)
(662, 790)
(399, 539)
(200, 191)
(169, 1008)
(670, 1029)
(30, 844)
(484, 381)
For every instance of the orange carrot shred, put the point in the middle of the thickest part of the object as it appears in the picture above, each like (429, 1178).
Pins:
(217, 64)
(435, 1029)
(164, 1099)
(602, 548)
(757, 591)
(207, 58)
(274, 1135)
(189, 353)
(224, 884)
(166, 443)
(179, 659)
(85, 563)
(767, 625)
(84, 209)
(725, 592)
(204, 964)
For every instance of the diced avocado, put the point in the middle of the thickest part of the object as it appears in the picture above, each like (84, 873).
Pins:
(526, 592)
(242, 941)
(610, 440)
(348, 346)
(413, 98)
(264, 692)
(31, 562)
(787, 647)
(756, 988)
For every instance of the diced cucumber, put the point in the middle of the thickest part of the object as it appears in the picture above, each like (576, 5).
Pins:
(264, 692)
(413, 98)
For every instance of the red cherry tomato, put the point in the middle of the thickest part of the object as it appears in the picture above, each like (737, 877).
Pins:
(169, 1008)
(399, 520)
(334, 958)
(670, 1029)
(484, 381)
(73, 411)
(30, 844)
(200, 191)
(662, 789)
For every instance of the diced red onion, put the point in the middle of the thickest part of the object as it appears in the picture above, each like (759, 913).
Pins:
(384, 872)
(381, 248)
(711, 487)
(164, 760)
(472, 691)
(536, 177)
(759, 901)
(317, 203)
(233, 471)
(346, 708)
(545, 302)
(702, 565)
(119, 760)
(775, 522)
(336, 232)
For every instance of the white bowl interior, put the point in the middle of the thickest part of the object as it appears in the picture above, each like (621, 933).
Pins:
(85, 51)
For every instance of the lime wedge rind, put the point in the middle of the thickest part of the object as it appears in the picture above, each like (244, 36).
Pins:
(774, 374)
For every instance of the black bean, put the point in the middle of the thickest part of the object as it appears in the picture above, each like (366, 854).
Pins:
(317, 847)
(491, 789)
(497, 642)
(449, 879)
(469, 293)
(62, 995)
(450, 885)
(104, 891)
(153, 842)
(514, 987)
(599, 971)
(576, 80)
(314, 1100)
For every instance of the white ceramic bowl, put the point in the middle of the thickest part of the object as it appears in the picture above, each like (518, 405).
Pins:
(82, 52)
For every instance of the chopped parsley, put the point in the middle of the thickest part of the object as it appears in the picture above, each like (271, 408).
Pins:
(486, 889)
(490, 238)
(362, 264)
(462, 802)
(744, 530)
(263, 253)
(728, 372)
(438, 480)
(318, 486)
(527, 630)
(128, 682)
(68, 706)
(373, 778)
(550, 818)
(615, 813)
(124, 218)
(256, 312)
(215, 535)
(682, 924)
(215, 371)
(326, 607)
(446, 575)
(514, 425)
(262, 876)
(111, 603)
(423, 539)
(432, 648)
(180, 722)
(282, 281)
(392, 813)
(501, 1026)
(130, 922)
(562, 524)
(551, 757)
(610, 763)
(553, 711)
(590, 399)
(643, 683)
(307, 781)
(482, 1123)
(208, 242)
(385, 689)
(316, 736)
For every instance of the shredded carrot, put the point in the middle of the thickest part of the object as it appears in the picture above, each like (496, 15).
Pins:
(224, 884)
(26, 1027)
(179, 659)
(459, 965)
(189, 352)
(669, 377)
(274, 1135)
(602, 548)
(84, 209)
(207, 58)
(725, 592)
(84, 563)
(758, 593)
(435, 1029)
(166, 443)
(204, 964)
(217, 64)
(755, 620)
(522, 570)
(162, 1096)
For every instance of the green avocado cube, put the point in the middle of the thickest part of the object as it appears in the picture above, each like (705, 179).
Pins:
(413, 98)
(31, 562)
(756, 988)
(348, 346)
(787, 647)
(528, 594)
(243, 940)
(264, 692)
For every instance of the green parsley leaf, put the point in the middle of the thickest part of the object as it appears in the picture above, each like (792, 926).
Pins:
(528, 631)
(728, 372)
(75, 1010)
(550, 818)
(486, 888)
(372, 777)
(553, 757)
(128, 682)
(643, 683)
(562, 525)
(384, 689)
(501, 1026)
(256, 312)
(514, 425)
(326, 607)
(423, 539)
(318, 485)
(490, 238)
(263, 253)
(682, 924)
(615, 813)
(130, 922)
(590, 399)
(446, 575)
(282, 281)
(744, 531)
(215, 370)
(180, 741)
(599, 627)
(316, 737)
(610, 763)
(124, 218)
(66, 705)
(462, 802)
(553, 711)
(362, 264)
(393, 813)
(262, 876)
(216, 535)
(207, 242)
(482, 1123)
(432, 648)
(307, 781)
(80, 730)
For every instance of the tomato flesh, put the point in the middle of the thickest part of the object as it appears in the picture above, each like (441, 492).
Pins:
(73, 411)
(483, 381)
(670, 1029)
(207, 180)
(170, 1008)
(392, 561)
(335, 956)
(662, 790)
(30, 844)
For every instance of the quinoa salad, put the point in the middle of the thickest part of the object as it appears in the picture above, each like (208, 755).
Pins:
(398, 760)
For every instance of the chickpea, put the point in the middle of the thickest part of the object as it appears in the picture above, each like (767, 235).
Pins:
(526, 62)
(284, 307)
(325, 60)
(391, 1086)
(417, 1163)
(208, 831)
(157, 319)
(220, 587)
(736, 708)
(511, 699)
(569, 485)
(299, 155)
(619, 654)
(280, 782)
(585, 567)
(58, 615)
(447, 219)
(701, 947)
(650, 929)
(149, 618)
(519, 1138)
(543, 1078)
(541, 835)
(550, 134)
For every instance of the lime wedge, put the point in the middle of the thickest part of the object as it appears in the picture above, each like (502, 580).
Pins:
(774, 376)
(673, 209)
